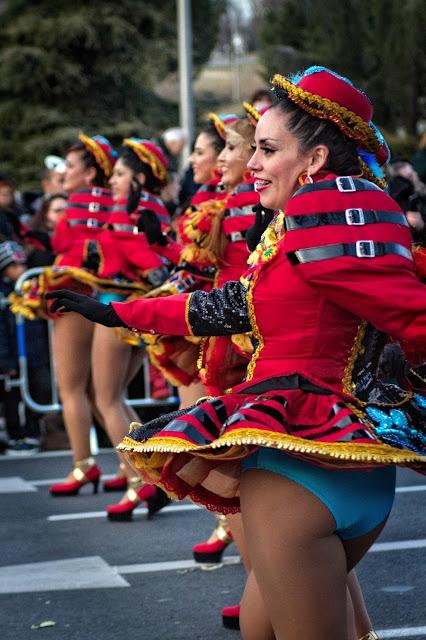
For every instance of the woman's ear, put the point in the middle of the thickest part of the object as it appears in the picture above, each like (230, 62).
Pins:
(318, 159)
(90, 176)
(141, 177)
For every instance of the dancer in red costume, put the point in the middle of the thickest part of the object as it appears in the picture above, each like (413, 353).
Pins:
(307, 446)
(126, 258)
(194, 256)
(89, 166)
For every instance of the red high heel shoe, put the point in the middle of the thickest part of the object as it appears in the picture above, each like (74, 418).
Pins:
(213, 551)
(115, 484)
(119, 483)
(136, 492)
(231, 617)
(84, 472)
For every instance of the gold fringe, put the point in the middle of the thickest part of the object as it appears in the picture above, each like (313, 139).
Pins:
(343, 451)
(255, 328)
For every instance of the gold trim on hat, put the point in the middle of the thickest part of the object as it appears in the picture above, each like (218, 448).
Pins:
(147, 156)
(96, 150)
(349, 122)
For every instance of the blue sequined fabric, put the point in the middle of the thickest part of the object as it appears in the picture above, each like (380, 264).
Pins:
(403, 427)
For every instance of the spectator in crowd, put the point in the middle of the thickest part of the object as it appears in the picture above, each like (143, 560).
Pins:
(419, 159)
(408, 190)
(10, 211)
(42, 226)
(23, 438)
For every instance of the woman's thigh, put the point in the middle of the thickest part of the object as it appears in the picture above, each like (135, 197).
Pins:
(298, 560)
(110, 365)
(72, 339)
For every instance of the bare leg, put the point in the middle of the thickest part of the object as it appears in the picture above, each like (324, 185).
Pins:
(362, 622)
(135, 363)
(254, 619)
(236, 525)
(72, 339)
(190, 394)
(299, 562)
(110, 365)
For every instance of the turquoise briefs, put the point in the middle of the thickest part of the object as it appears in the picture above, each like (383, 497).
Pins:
(106, 298)
(359, 500)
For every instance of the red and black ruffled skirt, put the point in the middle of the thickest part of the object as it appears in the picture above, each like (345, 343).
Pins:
(196, 453)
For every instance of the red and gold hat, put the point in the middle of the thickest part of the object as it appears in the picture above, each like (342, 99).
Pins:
(222, 120)
(102, 150)
(330, 96)
(254, 114)
(151, 154)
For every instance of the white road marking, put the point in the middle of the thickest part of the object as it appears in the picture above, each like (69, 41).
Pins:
(85, 515)
(15, 484)
(49, 481)
(407, 632)
(174, 565)
(400, 545)
(76, 573)
(410, 488)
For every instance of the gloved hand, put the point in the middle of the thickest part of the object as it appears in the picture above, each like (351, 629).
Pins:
(42, 238)
(261, 220)
(392, 364)
(149, 223)
(65, 300)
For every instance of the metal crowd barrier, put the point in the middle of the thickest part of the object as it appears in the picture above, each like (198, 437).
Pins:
(22, 380)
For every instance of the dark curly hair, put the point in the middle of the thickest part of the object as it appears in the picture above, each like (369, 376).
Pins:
(310, 131)
(89, 160)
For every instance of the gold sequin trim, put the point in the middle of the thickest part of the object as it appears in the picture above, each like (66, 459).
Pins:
(255, 328)
(187, 303)
(348, 384)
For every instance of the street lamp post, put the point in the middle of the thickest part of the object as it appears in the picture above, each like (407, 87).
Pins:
(186, 106)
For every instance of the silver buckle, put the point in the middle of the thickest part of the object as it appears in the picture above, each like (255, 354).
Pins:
(91, 222)
(345, 184)
(365, 249)
(236, 236)
(94, 207)
(96, 191)
(354, 217)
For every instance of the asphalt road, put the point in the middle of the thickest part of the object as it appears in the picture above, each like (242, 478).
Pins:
(62, 561)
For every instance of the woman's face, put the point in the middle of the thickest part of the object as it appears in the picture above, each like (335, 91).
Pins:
(233, 161)
(56, 208)
(203, 159)
(77, 176)
(277, 161)
(121, 180)
(6, 197)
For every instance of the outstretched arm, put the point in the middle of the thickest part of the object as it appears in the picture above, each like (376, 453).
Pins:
(218, 312)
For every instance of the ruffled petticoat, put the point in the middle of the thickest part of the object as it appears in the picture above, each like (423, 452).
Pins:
(196, 453)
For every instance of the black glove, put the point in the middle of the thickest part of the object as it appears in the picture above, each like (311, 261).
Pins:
(65, 300)
(392, 364)
(42, 238)
(262, 218)
(149, 223)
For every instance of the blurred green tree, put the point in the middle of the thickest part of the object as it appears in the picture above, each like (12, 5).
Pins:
(68, 66)
(379, 44)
